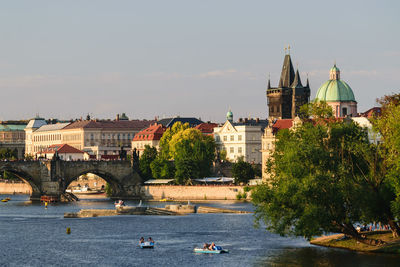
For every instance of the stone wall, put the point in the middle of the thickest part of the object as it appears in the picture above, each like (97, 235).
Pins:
(196, 192)
(18, 188)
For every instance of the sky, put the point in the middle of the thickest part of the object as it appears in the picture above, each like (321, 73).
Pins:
(67, 59)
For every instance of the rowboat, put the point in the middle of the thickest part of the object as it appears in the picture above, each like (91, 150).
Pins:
(146, 245)
(202, 250)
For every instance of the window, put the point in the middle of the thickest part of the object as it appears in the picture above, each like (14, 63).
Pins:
(91, 136)
(217, 138)
(232, 138)
(277, 109)
(225, 138)
(344, 112)
(240, 150)
(239, 138)
(231, 150)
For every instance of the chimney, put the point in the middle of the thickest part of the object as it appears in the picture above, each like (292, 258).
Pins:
(240, 120)
(246, 120)
(117, 119)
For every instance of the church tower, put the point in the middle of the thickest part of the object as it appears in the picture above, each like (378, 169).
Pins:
(285, 100)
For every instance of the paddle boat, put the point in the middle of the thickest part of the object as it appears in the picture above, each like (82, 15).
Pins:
(119, 203)
(146, 244)
(215, 251)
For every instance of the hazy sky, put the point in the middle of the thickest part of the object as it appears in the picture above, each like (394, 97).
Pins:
(65, 59)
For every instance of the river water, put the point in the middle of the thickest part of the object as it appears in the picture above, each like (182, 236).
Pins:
(31, 235)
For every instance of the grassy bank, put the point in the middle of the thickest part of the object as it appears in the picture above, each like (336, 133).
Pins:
(340, 241)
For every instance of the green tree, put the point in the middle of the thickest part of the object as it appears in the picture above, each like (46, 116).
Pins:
(9, 154)
(242, 171)
(193, 154)
(148, 156)
(162, 168)
(167, 136)
(387, 124)
(317, 110)
(313, 187)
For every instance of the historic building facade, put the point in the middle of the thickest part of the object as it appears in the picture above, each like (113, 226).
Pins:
(240, 139)
(285, 100)
(150, 136)
(101, 139)
(12, 136)
(269, 138)
(338, 94)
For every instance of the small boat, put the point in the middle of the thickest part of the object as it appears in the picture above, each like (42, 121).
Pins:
(4, 200)
(146, 245)
(119, 204)
(217, 251)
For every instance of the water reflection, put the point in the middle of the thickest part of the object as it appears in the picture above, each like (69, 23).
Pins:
(326, 257)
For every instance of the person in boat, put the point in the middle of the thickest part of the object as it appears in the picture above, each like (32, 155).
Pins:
(212, 246)
(141, 241)
(150, 240)
(206, 246)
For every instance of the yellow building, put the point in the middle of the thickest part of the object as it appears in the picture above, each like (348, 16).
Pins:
(101, 139)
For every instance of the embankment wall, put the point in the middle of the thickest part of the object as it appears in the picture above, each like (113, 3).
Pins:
(17, 188)
(196, 192)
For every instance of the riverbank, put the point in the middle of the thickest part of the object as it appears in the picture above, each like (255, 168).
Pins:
(392, 245)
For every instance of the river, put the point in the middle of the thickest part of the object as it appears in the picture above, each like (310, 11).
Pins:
(31, 235)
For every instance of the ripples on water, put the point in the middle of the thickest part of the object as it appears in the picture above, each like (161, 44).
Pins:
(33, 236)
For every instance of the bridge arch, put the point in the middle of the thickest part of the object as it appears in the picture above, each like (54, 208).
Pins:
(24, 176)
(108, 177)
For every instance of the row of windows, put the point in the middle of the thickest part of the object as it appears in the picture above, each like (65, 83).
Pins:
(47, 137)
(231, 138)
(118, 136)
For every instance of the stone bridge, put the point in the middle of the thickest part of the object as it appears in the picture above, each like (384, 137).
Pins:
(51, 178)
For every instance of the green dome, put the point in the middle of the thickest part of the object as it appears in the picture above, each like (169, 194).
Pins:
(335, 90)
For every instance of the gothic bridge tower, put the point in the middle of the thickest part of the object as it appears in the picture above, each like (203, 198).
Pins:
(285, 100)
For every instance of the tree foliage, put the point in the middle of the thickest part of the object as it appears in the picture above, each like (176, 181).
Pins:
(148, 156)
(162, 168)
(167, 136)
(193, 154)
(315, 185)
(9, 154)
(316, 110)
(388, 125)
(242, 171)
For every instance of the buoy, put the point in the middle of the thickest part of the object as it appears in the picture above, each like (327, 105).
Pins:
(68, 230)
(45, 205)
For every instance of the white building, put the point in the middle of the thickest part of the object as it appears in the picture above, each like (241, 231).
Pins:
(364, 122)
(240, 139)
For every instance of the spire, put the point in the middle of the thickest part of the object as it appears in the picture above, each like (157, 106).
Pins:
(297, 82)
(287, 75)
(308, 84)
(269, 82)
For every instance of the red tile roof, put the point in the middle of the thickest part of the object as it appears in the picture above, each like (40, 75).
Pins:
(135, 125)
(282, 124)
(206, 128)
(62, 148)
(375, 111)
(153, 132)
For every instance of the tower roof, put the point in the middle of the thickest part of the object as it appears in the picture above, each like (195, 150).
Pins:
(297, 81)
(287, 75)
